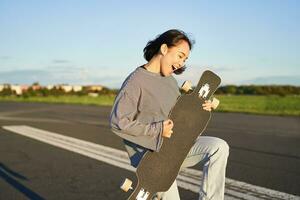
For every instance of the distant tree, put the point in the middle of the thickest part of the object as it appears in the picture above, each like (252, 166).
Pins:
(230, 89)
(107, 91)
(36, 83)
(44, 92)
(6, 92)
(56, 91)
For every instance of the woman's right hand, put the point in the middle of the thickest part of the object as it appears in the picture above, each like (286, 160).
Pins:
(167, 128)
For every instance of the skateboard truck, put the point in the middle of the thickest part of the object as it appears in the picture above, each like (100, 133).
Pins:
(186, 86)
(142, 195)
(215, 102)
(126, 185)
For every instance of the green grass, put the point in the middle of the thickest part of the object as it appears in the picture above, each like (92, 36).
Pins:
(270, 105)
(67, 99)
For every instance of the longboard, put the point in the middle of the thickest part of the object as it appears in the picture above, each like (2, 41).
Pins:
(157, 170)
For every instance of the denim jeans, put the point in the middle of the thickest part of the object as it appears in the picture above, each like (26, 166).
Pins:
(212, 152)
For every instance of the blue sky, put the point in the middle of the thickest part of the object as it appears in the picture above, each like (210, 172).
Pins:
(101, 42)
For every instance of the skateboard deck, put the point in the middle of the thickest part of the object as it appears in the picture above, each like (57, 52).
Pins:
(157, 170)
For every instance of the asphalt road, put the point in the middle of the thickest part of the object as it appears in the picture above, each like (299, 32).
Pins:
(264, 151)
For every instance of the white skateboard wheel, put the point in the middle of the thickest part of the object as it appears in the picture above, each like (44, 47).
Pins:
(126, 185)
(215, 102)
(186, 86)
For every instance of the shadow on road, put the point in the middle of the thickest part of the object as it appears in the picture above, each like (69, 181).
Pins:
(10, 177)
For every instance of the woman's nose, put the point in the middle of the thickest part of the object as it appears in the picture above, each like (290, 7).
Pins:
(181, 63)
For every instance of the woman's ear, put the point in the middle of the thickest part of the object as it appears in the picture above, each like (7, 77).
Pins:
(163, 49)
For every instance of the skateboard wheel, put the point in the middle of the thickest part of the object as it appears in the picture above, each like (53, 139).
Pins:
(186, 86)
(126, 185)
(215, 102)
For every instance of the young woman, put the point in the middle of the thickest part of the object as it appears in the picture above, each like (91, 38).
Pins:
(141, 108)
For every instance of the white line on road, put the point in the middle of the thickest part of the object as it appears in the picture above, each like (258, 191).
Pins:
(188, 179)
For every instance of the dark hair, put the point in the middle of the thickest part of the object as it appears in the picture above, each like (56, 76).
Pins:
(170, 38)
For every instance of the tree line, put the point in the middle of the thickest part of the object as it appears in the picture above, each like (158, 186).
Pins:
(281, 90)
(44, 92)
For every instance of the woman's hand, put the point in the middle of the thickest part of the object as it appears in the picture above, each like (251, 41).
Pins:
(167, 128)
(207, 105)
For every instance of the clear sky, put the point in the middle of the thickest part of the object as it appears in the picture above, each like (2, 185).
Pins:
(101, 42)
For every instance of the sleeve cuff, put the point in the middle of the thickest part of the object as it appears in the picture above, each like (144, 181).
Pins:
(159, 137)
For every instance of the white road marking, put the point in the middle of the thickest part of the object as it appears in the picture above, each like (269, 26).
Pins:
(188, 179)
(28, 119)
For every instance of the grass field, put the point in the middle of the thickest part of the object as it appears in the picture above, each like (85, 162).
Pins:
(269, 105)
(84, 100)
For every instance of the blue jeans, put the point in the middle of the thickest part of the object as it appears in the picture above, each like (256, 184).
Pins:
(213, 153)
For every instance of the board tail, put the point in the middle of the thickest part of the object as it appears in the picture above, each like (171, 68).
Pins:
(207, 81)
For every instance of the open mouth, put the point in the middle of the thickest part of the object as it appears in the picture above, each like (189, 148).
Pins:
(174, 68)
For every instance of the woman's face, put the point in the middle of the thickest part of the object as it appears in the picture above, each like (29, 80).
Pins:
(173, 57)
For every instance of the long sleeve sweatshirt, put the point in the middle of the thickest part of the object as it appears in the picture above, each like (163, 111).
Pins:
(142, 104)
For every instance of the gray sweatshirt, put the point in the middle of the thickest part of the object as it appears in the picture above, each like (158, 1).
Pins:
(142, 104)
